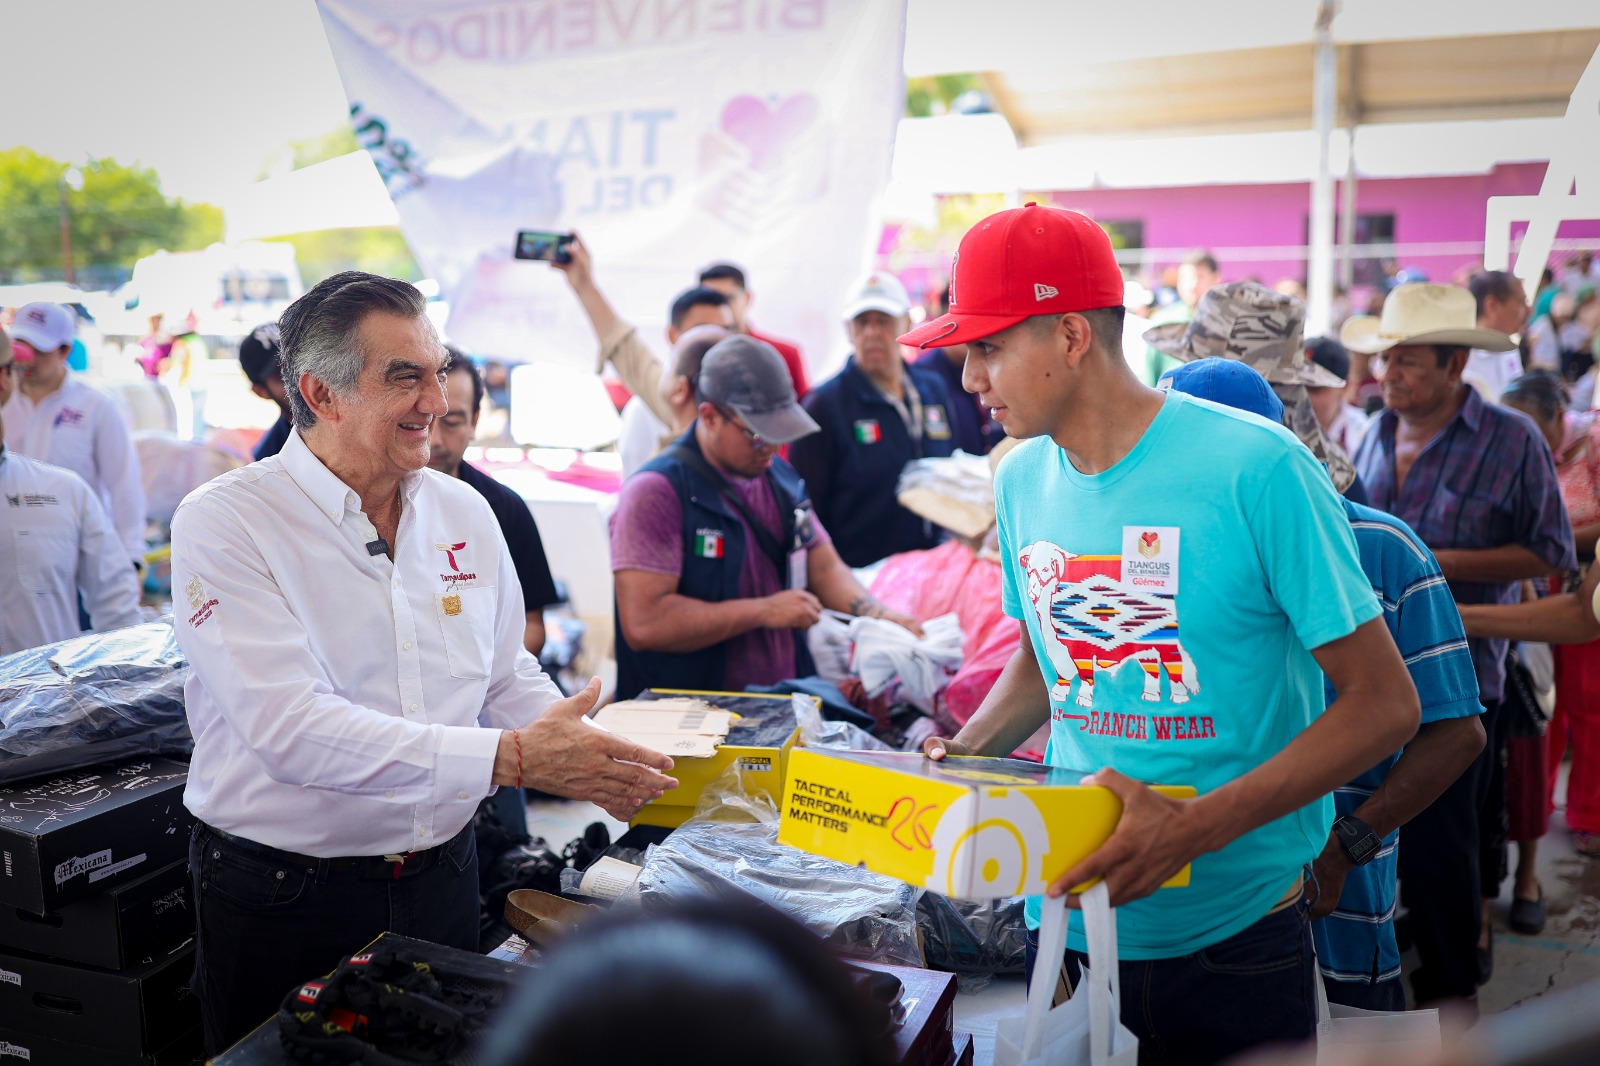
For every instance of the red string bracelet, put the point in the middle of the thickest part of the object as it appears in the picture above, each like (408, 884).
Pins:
(516, 738)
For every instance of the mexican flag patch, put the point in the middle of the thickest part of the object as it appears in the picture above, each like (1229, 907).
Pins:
(867, 431)
(708, 543)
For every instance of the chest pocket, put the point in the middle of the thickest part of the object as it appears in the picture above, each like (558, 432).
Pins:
(72, 446)
(466, 618)
(1480, 521)
(46, 559)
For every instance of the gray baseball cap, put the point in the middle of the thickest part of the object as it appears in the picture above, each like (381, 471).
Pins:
(749, 378)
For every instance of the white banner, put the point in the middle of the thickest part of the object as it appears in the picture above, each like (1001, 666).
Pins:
(669, 133)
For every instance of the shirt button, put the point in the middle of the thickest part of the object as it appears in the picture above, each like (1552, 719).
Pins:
(461, 795)
(388, 793)
(407, 645)
(422, 832)
(413, 706)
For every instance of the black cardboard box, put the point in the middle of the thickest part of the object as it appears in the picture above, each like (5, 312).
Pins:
(132, 923)
(131, 1012)
(70, 837)
(455, 969)
(43, 1051)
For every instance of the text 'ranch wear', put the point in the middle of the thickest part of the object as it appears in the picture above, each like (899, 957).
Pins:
(1172, 603)
(336, 696)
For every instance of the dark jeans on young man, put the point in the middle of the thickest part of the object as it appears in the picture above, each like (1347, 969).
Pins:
(1449, 855)
(1250, 990)
(270, 919)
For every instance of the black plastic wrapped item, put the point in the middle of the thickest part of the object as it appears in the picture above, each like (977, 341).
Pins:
(731, 844)
(973, 939)
(92, 699)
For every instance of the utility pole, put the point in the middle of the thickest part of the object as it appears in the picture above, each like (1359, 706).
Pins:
(71, 177)
(1319, 264)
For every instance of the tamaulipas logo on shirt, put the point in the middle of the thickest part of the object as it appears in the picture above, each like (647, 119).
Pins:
(196, 591)
(32, 499)
(450, 549)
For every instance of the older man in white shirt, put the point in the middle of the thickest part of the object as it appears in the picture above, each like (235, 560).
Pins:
(358, 680)
(57, 419)
(56, 544)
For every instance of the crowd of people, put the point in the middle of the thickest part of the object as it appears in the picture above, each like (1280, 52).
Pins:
(1381, 531)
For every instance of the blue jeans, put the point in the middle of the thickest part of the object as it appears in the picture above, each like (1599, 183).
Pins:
(270, 919)
(1252, 989)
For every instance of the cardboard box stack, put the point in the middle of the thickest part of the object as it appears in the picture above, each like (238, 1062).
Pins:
(96, 923)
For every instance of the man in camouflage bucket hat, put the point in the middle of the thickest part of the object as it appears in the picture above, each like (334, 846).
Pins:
(1250, 323)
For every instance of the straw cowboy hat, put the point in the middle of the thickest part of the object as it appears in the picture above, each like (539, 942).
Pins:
(1248, 322)
(1422, 313)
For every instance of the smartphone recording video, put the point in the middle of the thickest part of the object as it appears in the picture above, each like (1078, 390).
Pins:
(543, 244)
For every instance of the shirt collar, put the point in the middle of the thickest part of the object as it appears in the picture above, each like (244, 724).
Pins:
(1470, 413)
(332, 497)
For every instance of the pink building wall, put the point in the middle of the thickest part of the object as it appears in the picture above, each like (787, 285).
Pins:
(1258, 230)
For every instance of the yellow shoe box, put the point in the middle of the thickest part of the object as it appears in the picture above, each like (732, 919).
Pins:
(759, 742)
(966, 827)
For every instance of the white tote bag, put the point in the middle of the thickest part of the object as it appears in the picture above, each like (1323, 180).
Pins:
(1343, 1031)
(1087, 1029)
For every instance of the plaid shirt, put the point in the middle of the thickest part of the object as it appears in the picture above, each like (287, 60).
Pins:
(1485, 481)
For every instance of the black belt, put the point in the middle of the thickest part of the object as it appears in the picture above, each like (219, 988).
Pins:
(363, 866)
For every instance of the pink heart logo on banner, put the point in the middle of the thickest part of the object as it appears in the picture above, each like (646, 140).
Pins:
(765, 129)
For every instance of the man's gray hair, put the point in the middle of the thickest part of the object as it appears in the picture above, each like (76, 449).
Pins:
(320, 332)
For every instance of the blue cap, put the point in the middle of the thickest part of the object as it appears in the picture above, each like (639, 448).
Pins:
(1228, 382)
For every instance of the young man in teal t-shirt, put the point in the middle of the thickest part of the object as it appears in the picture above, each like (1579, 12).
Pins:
(1184, 575)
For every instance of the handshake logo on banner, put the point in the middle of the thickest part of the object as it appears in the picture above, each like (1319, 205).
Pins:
(762, 156)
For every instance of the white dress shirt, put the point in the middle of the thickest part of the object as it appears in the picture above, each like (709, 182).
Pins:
(56, 541)
(337, 698)
(83, 430)
(1491, 372)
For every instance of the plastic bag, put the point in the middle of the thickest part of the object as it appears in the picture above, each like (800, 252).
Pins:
(950, 578)
(92, 699)
(818, 732)
(731, 845)
(973, 939)
(887, 656)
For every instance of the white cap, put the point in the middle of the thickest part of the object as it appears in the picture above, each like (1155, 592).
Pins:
(877, 291)
(44, 327)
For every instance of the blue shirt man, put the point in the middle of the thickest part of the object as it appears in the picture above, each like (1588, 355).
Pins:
(1356, 949)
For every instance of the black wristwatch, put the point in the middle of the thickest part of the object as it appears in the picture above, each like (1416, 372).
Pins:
(1358, 839)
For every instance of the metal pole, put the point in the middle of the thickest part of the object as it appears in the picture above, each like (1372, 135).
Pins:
(1347, 216)
(66, 229)
(1319, 267)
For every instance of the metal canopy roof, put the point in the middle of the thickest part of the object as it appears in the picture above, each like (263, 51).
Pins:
(1523, 75)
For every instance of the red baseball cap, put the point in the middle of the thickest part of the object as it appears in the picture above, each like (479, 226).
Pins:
(1027, 261)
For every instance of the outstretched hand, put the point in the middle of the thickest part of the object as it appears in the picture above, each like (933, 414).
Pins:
(578, 268)
(565, 755)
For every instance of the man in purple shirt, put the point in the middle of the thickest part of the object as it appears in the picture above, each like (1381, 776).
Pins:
(720, 565)
(1477, 484)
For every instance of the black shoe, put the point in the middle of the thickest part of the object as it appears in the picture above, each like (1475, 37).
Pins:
(1527, 915)
(1486, 961)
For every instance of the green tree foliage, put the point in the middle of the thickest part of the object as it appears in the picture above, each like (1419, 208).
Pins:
(118, 215)
(930, 96)
(377, 249)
